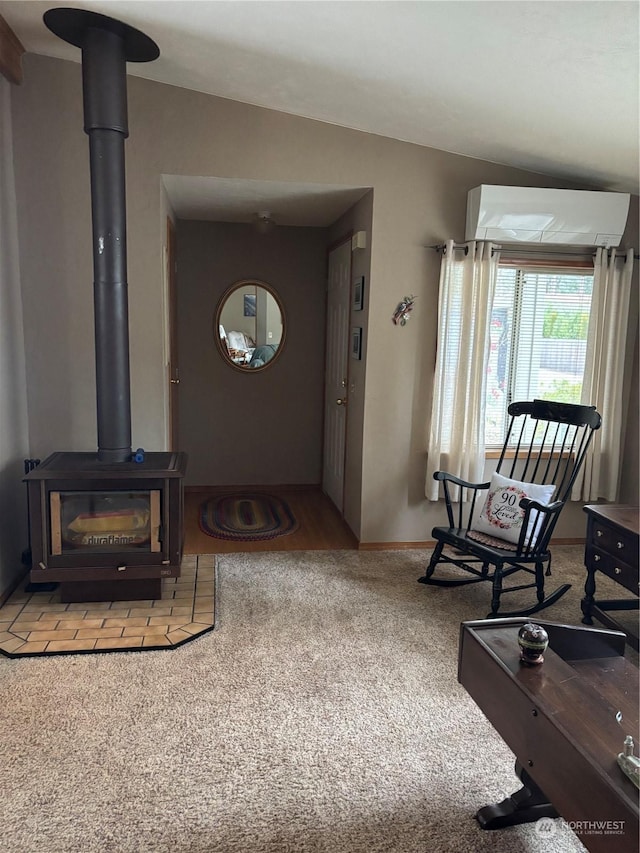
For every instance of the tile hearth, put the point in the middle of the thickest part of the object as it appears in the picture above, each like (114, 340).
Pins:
(37, 623)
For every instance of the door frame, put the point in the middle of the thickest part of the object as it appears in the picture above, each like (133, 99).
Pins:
(336, 244)
(173, 373)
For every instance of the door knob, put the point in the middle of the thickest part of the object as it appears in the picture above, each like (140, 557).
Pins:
(175, 381)
(341, 401)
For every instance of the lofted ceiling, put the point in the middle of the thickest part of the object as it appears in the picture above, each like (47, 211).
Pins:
(548, 86)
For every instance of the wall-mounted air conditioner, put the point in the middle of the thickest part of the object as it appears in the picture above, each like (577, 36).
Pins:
(541, 215)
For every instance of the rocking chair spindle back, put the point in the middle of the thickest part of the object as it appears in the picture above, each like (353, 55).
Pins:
(543, 452)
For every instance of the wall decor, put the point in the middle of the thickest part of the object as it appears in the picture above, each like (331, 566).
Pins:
(249, 328)
(249, 305)
(403, 311)
(356, 342)
(358, 293)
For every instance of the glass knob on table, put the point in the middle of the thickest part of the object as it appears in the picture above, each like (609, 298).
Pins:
(533, 641)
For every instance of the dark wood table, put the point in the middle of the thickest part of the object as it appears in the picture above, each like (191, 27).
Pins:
(559, 719)
(612, 549)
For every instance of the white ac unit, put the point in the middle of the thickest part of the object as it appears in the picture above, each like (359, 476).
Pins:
(543, 215)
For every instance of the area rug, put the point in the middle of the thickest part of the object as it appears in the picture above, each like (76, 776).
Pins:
(323, 715)
(34, 622)
(246, 517)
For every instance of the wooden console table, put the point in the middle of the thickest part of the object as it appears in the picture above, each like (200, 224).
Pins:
(612, 549)
(559, 719)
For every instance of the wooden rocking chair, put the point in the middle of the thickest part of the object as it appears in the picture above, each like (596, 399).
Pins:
(545, 445)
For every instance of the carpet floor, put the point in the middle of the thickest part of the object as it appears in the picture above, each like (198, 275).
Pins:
(322, 715)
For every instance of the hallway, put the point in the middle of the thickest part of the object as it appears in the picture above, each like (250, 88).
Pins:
(320, 526)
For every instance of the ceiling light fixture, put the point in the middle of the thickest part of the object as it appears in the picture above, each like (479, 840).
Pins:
(264, 222)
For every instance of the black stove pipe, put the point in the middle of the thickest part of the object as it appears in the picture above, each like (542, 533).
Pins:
(107, 45)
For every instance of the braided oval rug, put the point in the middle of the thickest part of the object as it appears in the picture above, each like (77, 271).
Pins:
(246, 517)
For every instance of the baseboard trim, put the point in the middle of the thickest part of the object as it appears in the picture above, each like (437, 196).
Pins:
(396, 546)
(430, 543)
(292, 487)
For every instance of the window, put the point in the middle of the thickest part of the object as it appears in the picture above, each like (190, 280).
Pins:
(539, 325)
(510, 330)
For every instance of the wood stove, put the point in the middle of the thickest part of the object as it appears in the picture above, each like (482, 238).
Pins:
(107, 525)
(106, 532)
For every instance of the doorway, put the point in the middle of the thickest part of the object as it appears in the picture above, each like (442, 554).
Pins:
(236, 429)
(172, 362)
(336, 373)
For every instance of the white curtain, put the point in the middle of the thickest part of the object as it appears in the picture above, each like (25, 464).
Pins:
(456, 440)
(604, 375)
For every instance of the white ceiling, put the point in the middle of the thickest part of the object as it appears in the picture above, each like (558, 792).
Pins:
(551, 86)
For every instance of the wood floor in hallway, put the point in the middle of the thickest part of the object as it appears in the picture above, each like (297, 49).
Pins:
(321, 528)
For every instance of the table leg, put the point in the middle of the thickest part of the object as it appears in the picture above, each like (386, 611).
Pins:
(587, 602)
(524, 806)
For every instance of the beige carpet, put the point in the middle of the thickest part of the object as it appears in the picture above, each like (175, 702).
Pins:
(322, 714)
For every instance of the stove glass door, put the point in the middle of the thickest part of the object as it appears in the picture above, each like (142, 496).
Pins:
(104, 521)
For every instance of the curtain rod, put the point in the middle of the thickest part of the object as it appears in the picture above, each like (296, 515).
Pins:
(440, 247)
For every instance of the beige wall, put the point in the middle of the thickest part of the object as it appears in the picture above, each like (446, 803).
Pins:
(251, 427)
(14, 445)
(630, 479)
(630, 486)
(419, 198)
(357, 218)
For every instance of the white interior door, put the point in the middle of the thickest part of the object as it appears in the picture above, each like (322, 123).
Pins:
(336, 372)
(172, 297)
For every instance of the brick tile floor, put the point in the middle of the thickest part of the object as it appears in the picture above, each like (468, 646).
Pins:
(37, 623)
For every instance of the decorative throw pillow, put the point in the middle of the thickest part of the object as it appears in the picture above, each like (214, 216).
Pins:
(502, 516)
(236, 340)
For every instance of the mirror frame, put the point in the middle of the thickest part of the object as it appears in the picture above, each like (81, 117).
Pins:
(224, 355)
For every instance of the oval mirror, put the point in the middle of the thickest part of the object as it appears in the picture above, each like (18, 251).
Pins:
(249, 326)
